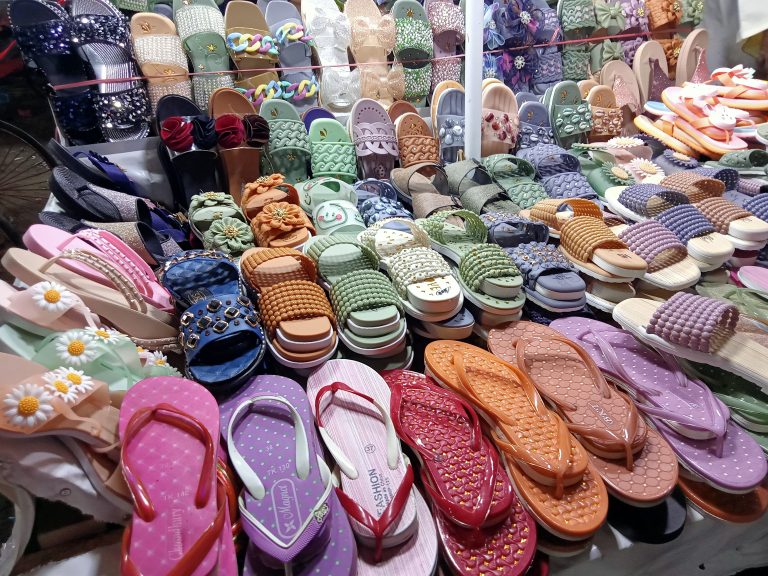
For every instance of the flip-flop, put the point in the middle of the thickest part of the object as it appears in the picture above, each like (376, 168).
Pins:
(683, 411)
(740, 89)
(691, 57)
(666, 131)
(735, 508)
(332, 152)
(624, 449)
(500, 120)
(650, 58)
(184, 415)
(288, 147)
(373, 134)
(718, 344)
(367, 452)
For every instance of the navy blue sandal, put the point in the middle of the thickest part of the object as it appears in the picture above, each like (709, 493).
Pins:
(197, 275)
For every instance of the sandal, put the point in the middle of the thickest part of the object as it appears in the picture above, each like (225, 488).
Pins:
(515, 177)
(698, 234)
(663, 14)
(607, 117)
(534, 125)
(415, 141)
(743, 229)
(316, 191)
(249, 42)
(282, 225)
(331, 151)
(447, 22)
(549, 159)
(500, 120)
(265, 190)
(449, 116)
(640, 202)
(425, 188)
(377, 200)
(413, 45)
(373, 134)
(338, 217)
(577, 17)
(471, 182)
(651, 72)
(556, 212)
(288, 148)
(205, 209)
(571, 116)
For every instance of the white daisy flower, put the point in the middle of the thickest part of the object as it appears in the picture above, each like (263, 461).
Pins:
(60, 387)
(104, 335)
(52, 297)
(28, 405)
(157, 359)
(75, 347)
(76, 379)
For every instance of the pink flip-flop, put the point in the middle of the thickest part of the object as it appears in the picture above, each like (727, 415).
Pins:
(169, 431)
(350, 402)
(48, 242)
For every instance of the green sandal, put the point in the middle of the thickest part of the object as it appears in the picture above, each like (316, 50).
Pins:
(515, 177)
(315, 191)
(206, 208)
(608, 175)
(569, 113)
(332, 152)
(747, 162)
(288, 147)
(751, 303)
(470, 181)
(413, 43)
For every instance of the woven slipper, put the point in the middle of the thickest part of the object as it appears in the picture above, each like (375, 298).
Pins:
(159, 54)
(607, 117)
(288, 147)
(449, 110)
(744, 230)
(549, 159)
(185, 414)
(596, 251)
(201, 26)
(534, 125)
(123, 107)
(577, 17)
(556, 212)
(278, 407)
(373, 134)
(548, 466)
(576, 59)
(477, 192)
(425, 187)
(332, 151)
(746, 162)
(296, 48)
(500, 120)
(718, 345)
(549, 61)
(330, 31)
(683, 411)
(640, 202)
(515, 177)
(413, 45)
(250, 44)
(623, 447)
(447, 21)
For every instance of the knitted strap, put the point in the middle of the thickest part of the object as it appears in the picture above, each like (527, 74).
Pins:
(694, 321)
(546, 210)
(721, 213)
(550, 67)
(575, 63)
(293, 300)
(686, 222)
(577, 14)
(568, 185)
(486, 261)
(758, 206)
(363, 290)
(535, 258)
(417, 149)
(474, 228)
(414, 265)
(650, 199)
(650, 239)
(329, 265)
(582, 235)
(695, 186)
(257, 279)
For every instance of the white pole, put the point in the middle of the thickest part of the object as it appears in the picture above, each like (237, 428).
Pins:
(473, 77)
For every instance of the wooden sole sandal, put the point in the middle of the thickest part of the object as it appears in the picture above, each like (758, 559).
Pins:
(700, 237)
(549, 468)
(596, 251)
(624, 449)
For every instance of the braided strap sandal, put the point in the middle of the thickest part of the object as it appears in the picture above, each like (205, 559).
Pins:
(642, 201)
(549, 159)
(265, 190)
(490, 280)
(555, 212)
(669, 266)
(288, 146)
(332, 152)
(596, 251)
(698, 234)
(739, 224)
(222, 340)
(550, 280)
(373, 135)
(696, 187)
(299, 323)
(472, 183)
(282, 225)
(515, 177)
(425, 187)
(262, 267)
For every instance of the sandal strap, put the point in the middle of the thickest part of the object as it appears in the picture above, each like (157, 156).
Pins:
(582, 235)
(336, 159)
(362, 290)
(491, 195)
(374, 138)
(686, 222)
(523, 230)
(650, 239)
(693, 321)
(758, 205)
(535, 258)
(414, 265)
(695, 186)
(160, 49)
(721, 212)
(568, 185)
(419, 238)
(193, 19)
(663, 12)
(51, 37)
(366, 260)
(550, 159)
(260, 189)
(418, 149)
(102, 29)
(607, 121)
(483, 262)
(293, 300)
(572, 119)
(474, 229)
(546, 210)
(286, 134)
(258, 279)
(122, 109)
(650, 200)
(577, 14)
(277, 219)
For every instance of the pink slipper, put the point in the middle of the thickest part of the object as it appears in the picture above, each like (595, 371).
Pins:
(169, 428)
(48, 242)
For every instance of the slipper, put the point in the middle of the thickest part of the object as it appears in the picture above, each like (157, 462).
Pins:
(184, 414)
(99, 170)
(449, 116)
(571, 116)
(556, 212)
(753, 277)
(577, 17)
(315, 113)
(447, 22)
(609, 175)
(288, 147)
(400, 107)
(124, 308)
(666, 131)
(296, 47)
(549, 159)
(746, 162)
(413, 45)
(395, 519)
(265, 190)
(717, 344)
(743, 229)
(576, 58)
(548, 467)
(475, 188)
(373, 134)
(249, 42)
(279, 407)
(603, 52)
(596, 251)
(663, 14)
(607, 117)
(641, 202)
(605, 295)
(282, 225)
(337, 217)
(735, 508)
(316, 191)
(154, 247)
(206, 209)
(377, 200)
(515, 178)
(415, 141)
(510, 231)
(331, 151)
(87, 201)
(500, 120)
(683, 411)
(698, 234)
(425, 187)
(122, 107)
(534, 125)
(159, 54)
(671, 162)
(373, 38)
(201, 25)
(669, 266)
(623, 447)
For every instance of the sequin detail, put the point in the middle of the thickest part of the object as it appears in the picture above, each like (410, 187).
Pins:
(51, 38)
(122, 109)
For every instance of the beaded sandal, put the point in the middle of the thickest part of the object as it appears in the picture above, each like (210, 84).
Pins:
(413, 46)
(570, 115)
(449, 116)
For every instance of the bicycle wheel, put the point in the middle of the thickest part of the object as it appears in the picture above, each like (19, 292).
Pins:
(25, 166)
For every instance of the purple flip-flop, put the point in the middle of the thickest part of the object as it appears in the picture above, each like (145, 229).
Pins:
(373, 135)
(685, 412)
(270, 436)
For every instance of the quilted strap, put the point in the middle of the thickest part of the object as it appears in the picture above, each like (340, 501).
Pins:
(582, 235)
(721, 212)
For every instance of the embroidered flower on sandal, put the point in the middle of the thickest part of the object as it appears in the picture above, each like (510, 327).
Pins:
(28, 405)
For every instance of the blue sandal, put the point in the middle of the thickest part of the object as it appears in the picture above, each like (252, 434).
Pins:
(199, 275)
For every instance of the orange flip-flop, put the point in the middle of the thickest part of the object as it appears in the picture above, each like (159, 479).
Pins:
(737, 508)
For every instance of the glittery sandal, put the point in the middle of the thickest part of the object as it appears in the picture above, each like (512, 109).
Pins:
(414, 45)
(447, 21)
(103, 36)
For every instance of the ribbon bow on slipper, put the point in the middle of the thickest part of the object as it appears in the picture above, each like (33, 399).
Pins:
(609, 15)
(491, 36)
(384, 31)
(337, 23)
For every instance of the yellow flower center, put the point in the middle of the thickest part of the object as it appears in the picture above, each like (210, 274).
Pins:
(52, 296)
(620, 173)
(28, 406)
(640, 12)
(279, 213)
(76, 347)
(62, 387)
(159, 362)
(101, 333)
(76, 379)
(230, 232)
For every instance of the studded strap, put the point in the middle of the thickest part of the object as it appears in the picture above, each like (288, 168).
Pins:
(535, 258)
(227, 313)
